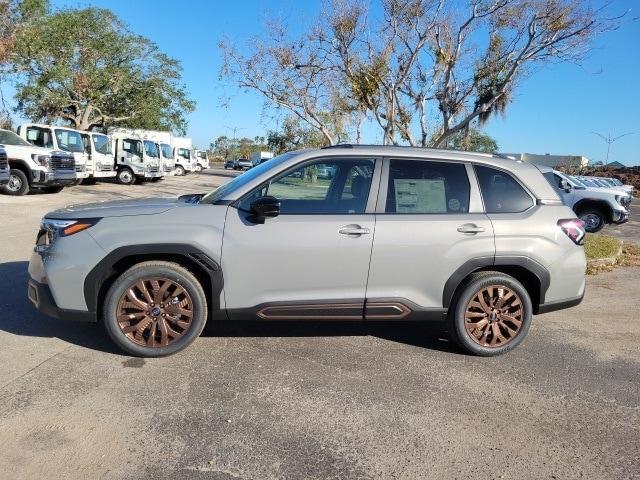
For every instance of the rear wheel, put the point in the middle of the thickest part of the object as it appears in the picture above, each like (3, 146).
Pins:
(593, 218)
(491, 314)
(155, 309)
(18, 183)
(125, 176)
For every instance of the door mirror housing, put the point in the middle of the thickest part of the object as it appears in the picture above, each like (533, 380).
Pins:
(265, 207)
(566, 186)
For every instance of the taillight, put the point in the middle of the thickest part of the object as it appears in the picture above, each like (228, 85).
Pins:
(574, 229)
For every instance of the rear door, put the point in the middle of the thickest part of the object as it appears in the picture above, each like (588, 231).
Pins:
(429, 222)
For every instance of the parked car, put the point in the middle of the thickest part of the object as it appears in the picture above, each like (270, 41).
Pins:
(231, 163)
(617, 184)
(5, 173)
(595, 206)
(476, 239)
(245, 163)
(36, 167)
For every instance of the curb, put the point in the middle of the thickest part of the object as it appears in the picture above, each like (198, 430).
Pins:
(599, 262)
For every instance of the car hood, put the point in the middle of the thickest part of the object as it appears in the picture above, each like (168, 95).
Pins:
(118, 208)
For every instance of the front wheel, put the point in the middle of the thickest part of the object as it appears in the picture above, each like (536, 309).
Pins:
(594, 220)
(18, 183)
(180, 171)
(154, 309)
(125, 176)
(491, 314)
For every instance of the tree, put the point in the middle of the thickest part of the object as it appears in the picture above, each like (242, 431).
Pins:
(423, 71)
(86, 68)
(293, 136)
(224, 147)
(474, 140)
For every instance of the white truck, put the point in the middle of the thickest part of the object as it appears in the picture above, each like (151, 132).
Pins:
(60, 139)
(182, 147)
(136, 157)
(98, 148)
(260, 157)
(35, 167)
(165, 145)
(202, 161)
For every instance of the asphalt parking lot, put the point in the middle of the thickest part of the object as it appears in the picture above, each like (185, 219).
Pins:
(292, 401)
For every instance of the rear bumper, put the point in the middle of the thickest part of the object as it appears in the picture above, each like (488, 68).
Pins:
(40, 296)
(559, 305)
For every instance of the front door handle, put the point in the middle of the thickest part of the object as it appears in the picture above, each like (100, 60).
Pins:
(353, 230)
(470, 228)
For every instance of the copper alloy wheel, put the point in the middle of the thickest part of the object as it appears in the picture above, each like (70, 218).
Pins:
(155, 312)
(493, 316)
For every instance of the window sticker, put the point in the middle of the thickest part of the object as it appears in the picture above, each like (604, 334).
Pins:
(420, 196)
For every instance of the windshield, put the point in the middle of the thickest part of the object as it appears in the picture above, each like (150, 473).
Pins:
(616, 181)
(202, 155)
(69, 140)
(151, 148)
(101, 143)
(184, 153)
(247, 177)
(10, 138)
(167, 151)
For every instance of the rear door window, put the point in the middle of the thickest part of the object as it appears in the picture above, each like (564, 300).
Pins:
(501, 192)
(427, 187)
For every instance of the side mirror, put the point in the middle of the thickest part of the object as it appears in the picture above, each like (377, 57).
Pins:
(265, 207)
(566, 186)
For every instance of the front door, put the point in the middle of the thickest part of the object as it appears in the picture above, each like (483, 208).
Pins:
(312, 260)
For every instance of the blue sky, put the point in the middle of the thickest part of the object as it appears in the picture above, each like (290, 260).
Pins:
(554, 111)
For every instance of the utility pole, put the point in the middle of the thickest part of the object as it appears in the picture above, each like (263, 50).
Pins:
(609, 140)
(235, 130)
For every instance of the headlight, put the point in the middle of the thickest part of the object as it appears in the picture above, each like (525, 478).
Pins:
(43, 160)
(55, 228)
(622, 200)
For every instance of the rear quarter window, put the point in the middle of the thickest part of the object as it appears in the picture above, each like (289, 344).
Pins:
(501, 193)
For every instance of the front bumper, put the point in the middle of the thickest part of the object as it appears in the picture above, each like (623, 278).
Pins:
(620, 216)
(104, 174)
(4, 177)
(150, 174)
(55, 178)
(40, 296)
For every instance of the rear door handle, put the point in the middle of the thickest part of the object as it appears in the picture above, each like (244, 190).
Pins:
(353, 230)
(470, 228)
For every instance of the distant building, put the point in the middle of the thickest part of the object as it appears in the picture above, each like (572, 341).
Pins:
(552, 160)
(616, 165)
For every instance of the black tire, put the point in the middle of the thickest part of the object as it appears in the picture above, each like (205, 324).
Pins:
(125, 176)
(18, 183)
(173, 272)
(52, 189)
(466, 339)
(180, 171)
(594, 219)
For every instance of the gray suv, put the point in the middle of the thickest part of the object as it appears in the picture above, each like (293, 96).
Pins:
(394, 234)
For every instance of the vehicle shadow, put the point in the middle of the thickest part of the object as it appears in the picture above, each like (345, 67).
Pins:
(429, 335)
(20, 317)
